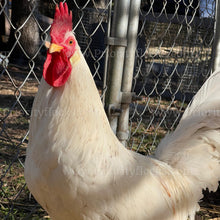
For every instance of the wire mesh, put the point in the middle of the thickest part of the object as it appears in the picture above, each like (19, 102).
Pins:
(24, 28)
(173, 59)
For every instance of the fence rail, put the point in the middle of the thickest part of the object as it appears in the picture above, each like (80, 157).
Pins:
(173, 57)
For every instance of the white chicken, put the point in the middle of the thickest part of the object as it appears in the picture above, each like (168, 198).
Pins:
(78, 170)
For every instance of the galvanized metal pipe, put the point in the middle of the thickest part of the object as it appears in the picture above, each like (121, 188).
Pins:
(216, 44)
(117, 45)
(123, 131)
(104, 86)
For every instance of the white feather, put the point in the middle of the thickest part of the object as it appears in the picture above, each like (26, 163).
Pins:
(195, 144)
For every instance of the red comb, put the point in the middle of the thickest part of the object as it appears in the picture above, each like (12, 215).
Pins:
(61, 24)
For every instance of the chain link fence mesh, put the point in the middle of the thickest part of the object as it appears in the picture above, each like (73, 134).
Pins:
(173, 59)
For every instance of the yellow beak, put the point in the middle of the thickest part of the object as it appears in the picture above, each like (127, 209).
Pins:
(55, 48)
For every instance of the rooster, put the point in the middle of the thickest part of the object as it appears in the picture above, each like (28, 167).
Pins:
(78, 170)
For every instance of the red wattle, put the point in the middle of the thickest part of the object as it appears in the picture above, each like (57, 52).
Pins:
(57, 69)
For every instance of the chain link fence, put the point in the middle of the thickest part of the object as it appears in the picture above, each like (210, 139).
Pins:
(173, 59)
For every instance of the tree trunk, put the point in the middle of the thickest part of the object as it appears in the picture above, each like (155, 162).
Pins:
(26, 31)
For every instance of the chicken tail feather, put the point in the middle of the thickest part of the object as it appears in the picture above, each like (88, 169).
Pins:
(194, 147)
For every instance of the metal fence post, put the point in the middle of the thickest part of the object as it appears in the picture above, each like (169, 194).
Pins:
(117, 43)
(104, 86)
(127, 96)
(216, 44)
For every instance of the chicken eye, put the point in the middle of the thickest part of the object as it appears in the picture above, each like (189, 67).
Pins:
(70, 42)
